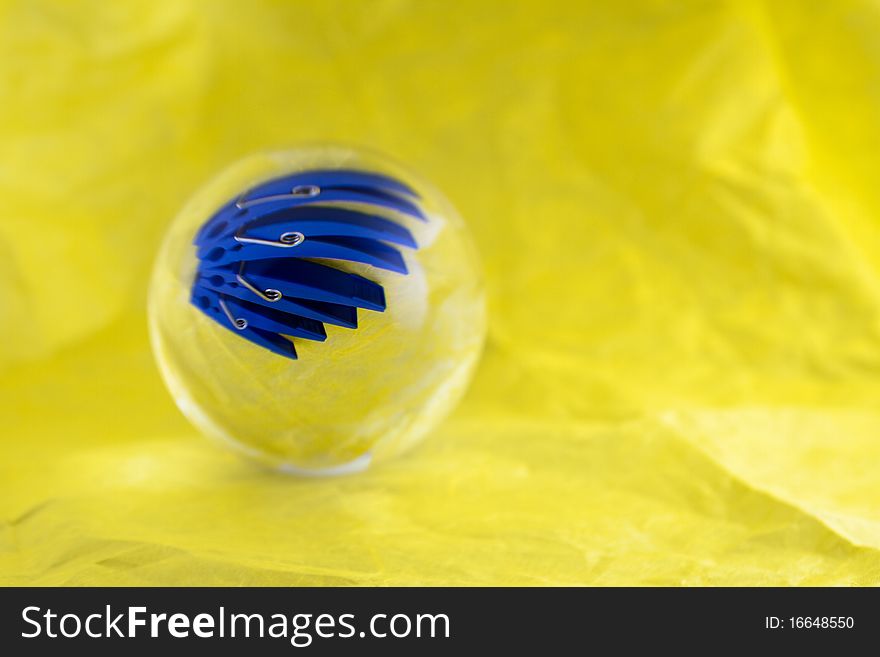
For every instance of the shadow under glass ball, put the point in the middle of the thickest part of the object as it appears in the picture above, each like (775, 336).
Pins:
(346, 244)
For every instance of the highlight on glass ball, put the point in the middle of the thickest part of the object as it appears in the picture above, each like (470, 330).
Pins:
(318, 309)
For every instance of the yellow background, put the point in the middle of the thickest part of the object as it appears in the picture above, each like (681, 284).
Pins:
(677, 209)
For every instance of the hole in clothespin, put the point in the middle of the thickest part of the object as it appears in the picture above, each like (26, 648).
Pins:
(215, 254)
(216, 281)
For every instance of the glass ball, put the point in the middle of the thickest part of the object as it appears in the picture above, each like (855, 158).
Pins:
(369, 270)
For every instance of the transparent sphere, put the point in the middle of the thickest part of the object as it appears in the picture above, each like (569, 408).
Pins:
(368, 269)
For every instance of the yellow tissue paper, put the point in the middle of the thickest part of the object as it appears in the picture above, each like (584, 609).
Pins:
(675, 204)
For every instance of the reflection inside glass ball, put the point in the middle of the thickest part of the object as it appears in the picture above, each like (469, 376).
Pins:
(317, 309)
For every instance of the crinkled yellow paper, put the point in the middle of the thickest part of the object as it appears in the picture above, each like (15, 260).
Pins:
(678, 210)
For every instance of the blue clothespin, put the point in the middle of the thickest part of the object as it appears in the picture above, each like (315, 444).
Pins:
(309, 188)
(333, 233)
(256, 274)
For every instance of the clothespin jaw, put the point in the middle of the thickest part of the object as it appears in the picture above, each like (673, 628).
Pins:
(257, 275)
